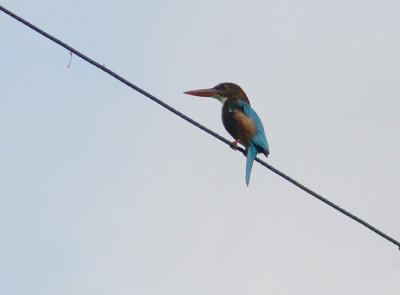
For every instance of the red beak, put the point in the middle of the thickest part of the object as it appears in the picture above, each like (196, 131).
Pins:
(202, 92)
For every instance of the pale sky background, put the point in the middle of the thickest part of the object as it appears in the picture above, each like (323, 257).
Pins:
(104, 192)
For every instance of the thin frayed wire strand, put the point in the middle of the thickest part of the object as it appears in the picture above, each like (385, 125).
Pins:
(209, 131)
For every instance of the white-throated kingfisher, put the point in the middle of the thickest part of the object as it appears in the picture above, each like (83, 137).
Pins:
(239, 119)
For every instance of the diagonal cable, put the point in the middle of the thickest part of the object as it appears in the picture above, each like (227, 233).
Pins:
(209, 131)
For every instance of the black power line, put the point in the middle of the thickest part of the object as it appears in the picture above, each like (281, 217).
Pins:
(209, 131)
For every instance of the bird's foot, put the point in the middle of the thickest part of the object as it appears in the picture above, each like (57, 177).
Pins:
(234, 144)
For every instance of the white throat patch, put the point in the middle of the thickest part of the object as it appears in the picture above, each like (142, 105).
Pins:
(222, 99)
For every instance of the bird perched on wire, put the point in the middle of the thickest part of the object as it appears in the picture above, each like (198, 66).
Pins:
(239, 119)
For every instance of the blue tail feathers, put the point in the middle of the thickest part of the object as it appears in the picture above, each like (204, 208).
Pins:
(251, 155)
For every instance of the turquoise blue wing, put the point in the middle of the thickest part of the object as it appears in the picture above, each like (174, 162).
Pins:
(259, 138)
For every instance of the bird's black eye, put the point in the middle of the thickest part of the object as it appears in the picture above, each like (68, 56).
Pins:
(222, 87)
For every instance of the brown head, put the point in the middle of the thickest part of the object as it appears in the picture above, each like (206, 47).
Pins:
(222, 92)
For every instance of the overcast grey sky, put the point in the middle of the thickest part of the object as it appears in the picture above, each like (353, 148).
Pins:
(104, 192)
